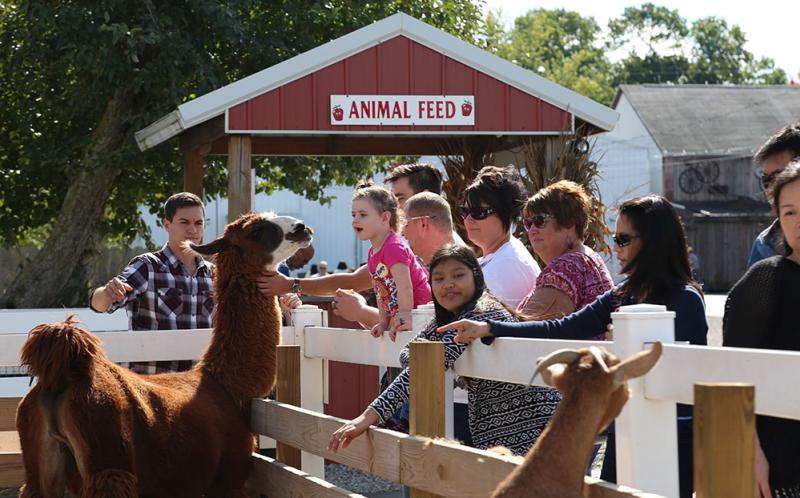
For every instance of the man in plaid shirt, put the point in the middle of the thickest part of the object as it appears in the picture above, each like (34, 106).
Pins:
(167, 289)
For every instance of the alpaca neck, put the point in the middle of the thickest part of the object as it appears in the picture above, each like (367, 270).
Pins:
(242, 353)
(556, 465)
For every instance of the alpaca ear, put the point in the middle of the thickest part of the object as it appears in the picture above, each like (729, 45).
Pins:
(637, 364)
(218, 245)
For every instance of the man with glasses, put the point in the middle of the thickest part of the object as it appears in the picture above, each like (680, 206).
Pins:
(167, 289)
(778, 151)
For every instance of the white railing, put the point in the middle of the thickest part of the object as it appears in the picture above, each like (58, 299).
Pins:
(645, 431)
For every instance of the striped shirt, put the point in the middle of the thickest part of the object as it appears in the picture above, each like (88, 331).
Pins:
(166, 297)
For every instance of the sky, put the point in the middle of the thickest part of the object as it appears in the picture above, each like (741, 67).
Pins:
(772, 27)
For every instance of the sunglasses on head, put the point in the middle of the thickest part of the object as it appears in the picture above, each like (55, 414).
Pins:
(538, 221)
(622, 239)
(477, 213)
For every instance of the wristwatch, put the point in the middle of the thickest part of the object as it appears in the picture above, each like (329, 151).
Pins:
(296, 287)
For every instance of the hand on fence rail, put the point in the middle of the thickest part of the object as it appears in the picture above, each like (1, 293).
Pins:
(352, 430)
(467, 330)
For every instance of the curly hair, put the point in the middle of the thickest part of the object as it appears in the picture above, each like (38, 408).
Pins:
(566, 201)
(501, 189)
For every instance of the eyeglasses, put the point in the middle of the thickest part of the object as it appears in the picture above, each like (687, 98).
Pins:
(477, 213)
(768, 178)
(622, 239)
(538, 221)
(409, 220)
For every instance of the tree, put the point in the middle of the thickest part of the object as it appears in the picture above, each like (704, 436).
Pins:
(557, 44)
(77, 80)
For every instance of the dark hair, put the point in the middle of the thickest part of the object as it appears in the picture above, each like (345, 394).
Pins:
(463, 255)
(787, 139)
(501, 189)
(341, 266)
(662, 265)
(179, 200)
(789, 174)
(381, 199)
(566, 201)
(421, 177)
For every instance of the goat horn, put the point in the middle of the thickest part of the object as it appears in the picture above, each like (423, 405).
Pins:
(598, 356)
(561, 356)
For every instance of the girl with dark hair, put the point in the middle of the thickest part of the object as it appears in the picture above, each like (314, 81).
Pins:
(650, 244)
(761, 312)
(499, 413)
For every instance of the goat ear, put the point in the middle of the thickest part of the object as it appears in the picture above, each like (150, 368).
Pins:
(268, 234)
(218, 245)
(637, 364)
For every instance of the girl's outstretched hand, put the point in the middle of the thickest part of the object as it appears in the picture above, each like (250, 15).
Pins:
(467, 330)
(352, 430)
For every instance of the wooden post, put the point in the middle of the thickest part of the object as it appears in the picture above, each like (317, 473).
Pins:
(240, 176)
(724, 440)
(426, 393)
(287, 390)
(193, 172)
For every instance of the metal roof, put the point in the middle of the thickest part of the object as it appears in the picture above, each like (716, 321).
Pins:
(217, 102)
(712, 119)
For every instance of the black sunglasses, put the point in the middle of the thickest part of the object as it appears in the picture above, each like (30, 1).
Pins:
(768, 179)
(622, 239)
(477, 213)
(538, 221)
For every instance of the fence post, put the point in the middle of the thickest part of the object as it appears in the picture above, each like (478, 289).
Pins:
(646, 430)
(724, 440)
(311, 377)
(287, 390)
(426, 400)
(423, 315)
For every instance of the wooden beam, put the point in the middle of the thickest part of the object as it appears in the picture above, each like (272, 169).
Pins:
(724, 440)
(272, 478)
(203, 135)
(12, 471)
(9, 442)
(8, 413)
(426, 398)
(193, 172)
(240, 176)
(287, 391)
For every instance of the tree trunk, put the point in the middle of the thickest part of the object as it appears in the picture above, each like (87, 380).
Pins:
(42, 280)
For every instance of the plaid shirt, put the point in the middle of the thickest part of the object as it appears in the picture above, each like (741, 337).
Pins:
(166, 297)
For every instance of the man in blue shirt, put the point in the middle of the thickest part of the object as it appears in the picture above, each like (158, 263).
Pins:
(773, 156)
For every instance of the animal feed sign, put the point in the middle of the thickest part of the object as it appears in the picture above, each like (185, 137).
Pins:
(403, 110)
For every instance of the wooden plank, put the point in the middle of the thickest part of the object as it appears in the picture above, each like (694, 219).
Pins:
(287, 391)
(273, 478)
(595, 488)
(240, 177)
(193, 172)
(724, 440)
(201, 136)
(426, 400)
(8, 413)
(9, 442)
(377, 452)
(772, 373)
(12, 471)
(355, 346)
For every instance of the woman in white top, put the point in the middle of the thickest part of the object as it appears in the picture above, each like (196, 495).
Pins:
(491, 203)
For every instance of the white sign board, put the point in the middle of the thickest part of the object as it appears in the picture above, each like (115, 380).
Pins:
(405, 110)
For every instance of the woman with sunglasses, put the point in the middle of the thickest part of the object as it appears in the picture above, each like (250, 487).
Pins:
(650, 244)
(491, 203)
(556, 218)
(761, 312)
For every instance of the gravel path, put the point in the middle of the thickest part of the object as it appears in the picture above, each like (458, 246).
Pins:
(360, 482)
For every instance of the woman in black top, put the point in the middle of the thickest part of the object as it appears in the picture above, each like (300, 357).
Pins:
(650, 244)
(761, 312)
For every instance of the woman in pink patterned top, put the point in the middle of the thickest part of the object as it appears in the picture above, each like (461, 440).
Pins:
(556, 219)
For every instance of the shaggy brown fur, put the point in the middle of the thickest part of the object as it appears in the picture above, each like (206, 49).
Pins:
(99, 430)
(592, 396)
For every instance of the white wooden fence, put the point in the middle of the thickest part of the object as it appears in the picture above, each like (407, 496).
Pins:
(645, 431)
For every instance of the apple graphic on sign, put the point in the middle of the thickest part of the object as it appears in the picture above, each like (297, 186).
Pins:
(466, 108)
(338, 113)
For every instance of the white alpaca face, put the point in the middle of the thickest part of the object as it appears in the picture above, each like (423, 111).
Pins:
(295, 236)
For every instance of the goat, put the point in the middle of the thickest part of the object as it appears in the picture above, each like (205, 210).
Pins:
(593, 389)
(97, 429)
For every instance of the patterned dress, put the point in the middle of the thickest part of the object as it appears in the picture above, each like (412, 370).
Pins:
(500, 413)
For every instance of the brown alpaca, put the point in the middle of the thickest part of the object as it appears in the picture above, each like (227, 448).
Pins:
(99, 430)
(593, 390)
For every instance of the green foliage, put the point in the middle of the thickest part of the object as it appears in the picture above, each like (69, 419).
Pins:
(61, 63)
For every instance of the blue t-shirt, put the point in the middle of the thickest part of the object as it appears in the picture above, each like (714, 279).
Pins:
(764, 245)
